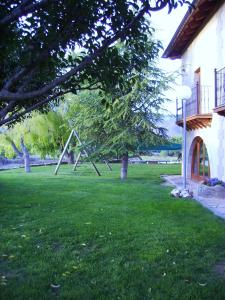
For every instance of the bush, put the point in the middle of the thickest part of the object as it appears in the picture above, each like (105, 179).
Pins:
(163, 153)
(214, 181)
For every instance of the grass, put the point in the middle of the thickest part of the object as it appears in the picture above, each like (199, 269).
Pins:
(79, 236)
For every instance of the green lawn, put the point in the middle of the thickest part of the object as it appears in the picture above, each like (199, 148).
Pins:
(99, 238)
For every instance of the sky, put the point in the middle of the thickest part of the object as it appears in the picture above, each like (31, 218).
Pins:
(166, 25)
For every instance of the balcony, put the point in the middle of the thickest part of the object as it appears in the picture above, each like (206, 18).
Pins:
(220, 92)
(198, 109)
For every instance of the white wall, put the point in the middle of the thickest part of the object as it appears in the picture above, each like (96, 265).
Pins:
(214, 139)
(207, 52)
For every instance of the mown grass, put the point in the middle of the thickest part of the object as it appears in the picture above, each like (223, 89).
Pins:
(99, 238)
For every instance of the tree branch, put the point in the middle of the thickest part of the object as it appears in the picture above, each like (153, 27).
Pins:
(160, 4)
(6, 95)
(91, 86)
(15, 149)
(43, 56)
(35, 106)
(5, 110)
(26, 80)
(31, 108)
(14, 79)
(21, 10)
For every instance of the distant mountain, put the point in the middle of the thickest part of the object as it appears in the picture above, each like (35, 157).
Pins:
(169, 122)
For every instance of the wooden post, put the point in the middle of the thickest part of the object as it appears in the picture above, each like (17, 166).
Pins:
(63, 153)
(74, 133)
(96, 170)
(93, 164)
(77, 160)
(77, 137)
(107, 164)
(86, 153)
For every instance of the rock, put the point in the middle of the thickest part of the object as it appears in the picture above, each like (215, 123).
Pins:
(220, 192)
(185, 194)
(181, 193)
(216, 191)
(175, 193)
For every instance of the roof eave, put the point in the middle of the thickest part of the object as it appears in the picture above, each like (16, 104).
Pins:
(177, 46)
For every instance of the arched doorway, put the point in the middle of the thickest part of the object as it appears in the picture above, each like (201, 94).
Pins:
(200, 168)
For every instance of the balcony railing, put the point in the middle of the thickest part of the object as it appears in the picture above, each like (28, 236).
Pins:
(198, 104)
(220, 87)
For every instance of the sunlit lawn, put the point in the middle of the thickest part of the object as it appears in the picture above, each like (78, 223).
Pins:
(79, 236)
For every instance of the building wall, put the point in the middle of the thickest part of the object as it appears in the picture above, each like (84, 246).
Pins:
(214, 139)
(207, 52)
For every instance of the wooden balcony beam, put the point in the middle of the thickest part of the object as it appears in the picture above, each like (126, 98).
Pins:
(196, 121)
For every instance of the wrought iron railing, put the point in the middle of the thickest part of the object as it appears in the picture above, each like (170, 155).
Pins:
(219, 87)
(198, 104)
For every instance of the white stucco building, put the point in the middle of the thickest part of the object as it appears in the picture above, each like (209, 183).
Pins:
(200, 43)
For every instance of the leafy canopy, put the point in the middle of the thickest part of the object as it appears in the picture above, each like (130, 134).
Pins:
(39, 38)
(121, 121)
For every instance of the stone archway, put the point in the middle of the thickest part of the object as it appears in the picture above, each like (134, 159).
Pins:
(199, 160)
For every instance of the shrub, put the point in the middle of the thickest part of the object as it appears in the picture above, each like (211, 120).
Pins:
(163, 153)
(214, 181)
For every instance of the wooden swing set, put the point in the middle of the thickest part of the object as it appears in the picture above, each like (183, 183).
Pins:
(82, 152)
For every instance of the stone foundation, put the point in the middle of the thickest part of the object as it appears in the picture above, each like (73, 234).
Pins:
(211, 191)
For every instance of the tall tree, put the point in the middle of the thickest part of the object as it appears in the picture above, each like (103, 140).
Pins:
(49, 133)
(15, 142)
(122, 120)
(38, 39)
(42, 134)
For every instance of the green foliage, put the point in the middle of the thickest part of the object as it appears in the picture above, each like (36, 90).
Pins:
(115, 119)
(49, 133)
(44, 134)
(163, 153)
(14, 135)
(51, 47)
(5, 147)
(176, 139)
(120, 121)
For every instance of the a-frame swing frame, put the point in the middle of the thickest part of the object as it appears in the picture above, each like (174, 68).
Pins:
(75, 134)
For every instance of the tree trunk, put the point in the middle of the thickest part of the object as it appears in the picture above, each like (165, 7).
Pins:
(70, 157)
(124, 166)
(26, 156)
(16, 150)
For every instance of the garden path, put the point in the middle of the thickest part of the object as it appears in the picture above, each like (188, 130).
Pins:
(216, 205)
